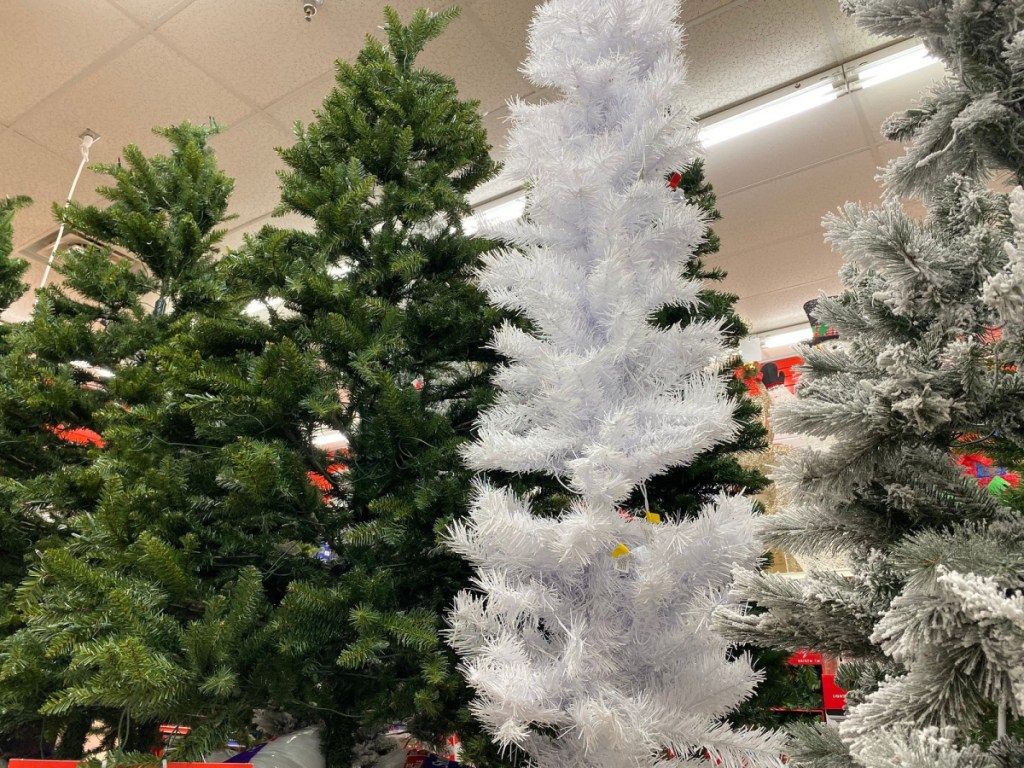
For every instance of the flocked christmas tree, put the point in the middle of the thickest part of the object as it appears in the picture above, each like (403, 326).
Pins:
(970, 123)
(587, 640)
(931, 617)
(912, 381)
(382, 294)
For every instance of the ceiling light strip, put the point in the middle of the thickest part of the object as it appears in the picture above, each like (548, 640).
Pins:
(787, 338)
(766, 114)
(847, 78)
(891, 67)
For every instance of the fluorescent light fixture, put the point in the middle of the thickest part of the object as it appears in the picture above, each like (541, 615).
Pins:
(766, 114)
(891, 67)
(787, 338)
(260, 307)
(338, 271)
(844, 79)
(509, 210)
(96, 372)
(330, 438)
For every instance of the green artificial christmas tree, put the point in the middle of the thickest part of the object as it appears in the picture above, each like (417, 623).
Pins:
(381, 294)
(143, 612)
(931, 618)
(53, 371)
(20, 732)
(683, 490)
(11, 269)
(13, 542)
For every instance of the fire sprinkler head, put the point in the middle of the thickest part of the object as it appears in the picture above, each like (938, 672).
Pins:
(310, 7)
(88, 137)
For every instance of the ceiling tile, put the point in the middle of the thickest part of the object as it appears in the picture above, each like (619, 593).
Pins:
(41, 49)
(506, 24)
(694, 9)
(851, 37)
(754, 47)
(150, 12)
(300, 104)
(147, 86)
(774, 150)
(466, 55)
(794, 204)
(28, 169)
(264, 49)
(246, 153)
(789, 262)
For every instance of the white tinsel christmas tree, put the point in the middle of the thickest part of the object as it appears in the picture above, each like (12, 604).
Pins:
(588, 642)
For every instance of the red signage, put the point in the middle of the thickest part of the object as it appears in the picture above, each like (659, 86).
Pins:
(834, 696)
(774, 373)
(415, 758)
(19, 763)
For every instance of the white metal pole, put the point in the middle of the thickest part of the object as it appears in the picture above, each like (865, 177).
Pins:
(88, 139)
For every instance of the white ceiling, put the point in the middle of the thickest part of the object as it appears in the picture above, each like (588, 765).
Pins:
(120, 67)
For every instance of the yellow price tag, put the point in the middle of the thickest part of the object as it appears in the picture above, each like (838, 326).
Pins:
(653, 517)
(620, 550)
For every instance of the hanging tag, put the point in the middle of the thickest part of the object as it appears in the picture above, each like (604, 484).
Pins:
(675, 180)
(621, 558)
(653, 517)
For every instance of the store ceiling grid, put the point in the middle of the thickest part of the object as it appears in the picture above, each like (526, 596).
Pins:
(120, 67)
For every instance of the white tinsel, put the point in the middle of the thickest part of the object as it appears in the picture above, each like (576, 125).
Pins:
(580, 658)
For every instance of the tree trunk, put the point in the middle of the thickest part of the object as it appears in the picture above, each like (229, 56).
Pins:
(72, 739)
(142, 737)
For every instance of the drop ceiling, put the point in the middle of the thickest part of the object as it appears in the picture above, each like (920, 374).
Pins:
(120, 67)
